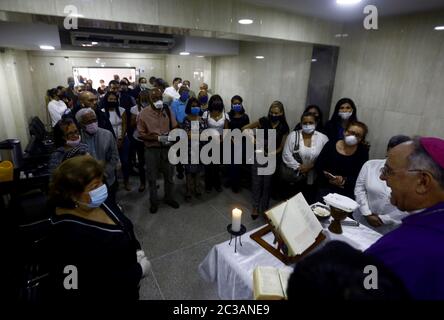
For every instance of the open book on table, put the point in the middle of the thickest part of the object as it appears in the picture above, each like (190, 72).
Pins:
(270, 283)
(295, 223)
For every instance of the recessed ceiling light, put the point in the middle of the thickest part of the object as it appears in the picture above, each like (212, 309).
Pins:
(245, 21)
(94, 43)
(76, 15)
(439, 28)
(314, 60)
(347, 2)
(184, 53)
(260, 57)
(201, 56)
(46, 47)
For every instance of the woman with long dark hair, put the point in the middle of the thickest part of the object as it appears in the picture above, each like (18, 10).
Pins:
(344, 113)
(117, 116)
(238, 120)
(317, 113)
(217, 119)
(262, 184)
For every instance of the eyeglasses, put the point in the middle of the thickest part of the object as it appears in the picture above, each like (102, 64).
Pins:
(387, 172)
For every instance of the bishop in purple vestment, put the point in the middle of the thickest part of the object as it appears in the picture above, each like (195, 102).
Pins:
(415, 251)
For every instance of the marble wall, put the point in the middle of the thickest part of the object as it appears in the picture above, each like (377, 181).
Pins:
(395, 75)
(213, 16)
(282, 75)
(194, 69)
(17, 103)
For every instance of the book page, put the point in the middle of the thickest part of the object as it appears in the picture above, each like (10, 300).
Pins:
(284, 276)
(276, 213)
(300, 227)
(267, 284)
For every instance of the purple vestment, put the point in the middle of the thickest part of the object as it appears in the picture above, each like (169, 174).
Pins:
(415, 252)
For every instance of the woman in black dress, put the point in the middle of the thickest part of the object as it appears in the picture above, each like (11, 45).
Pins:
(91, 238)
(340, 162)
(238, 120)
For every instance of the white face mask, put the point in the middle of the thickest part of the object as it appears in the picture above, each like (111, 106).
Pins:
(345, 115)
(351, 140)
(73, 143)
(308, 128)
(158, 104)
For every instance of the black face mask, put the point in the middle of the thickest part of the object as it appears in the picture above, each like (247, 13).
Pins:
(274, 119)
(113, 105)
(218, 107)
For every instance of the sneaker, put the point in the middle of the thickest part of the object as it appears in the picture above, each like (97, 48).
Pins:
(172, 204)
(153, 208)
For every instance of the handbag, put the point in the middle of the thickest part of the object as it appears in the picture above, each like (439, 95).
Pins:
(289, 174)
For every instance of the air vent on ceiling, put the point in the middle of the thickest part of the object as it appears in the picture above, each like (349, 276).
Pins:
(122, 40)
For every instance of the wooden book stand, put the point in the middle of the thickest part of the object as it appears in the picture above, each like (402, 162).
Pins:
(281, 252)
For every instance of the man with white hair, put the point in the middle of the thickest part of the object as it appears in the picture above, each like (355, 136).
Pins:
(102, 145)
(415, 251)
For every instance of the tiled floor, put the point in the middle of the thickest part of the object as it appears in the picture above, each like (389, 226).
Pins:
(177, 240)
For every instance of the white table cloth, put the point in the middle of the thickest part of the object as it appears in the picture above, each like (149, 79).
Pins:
(233, 272)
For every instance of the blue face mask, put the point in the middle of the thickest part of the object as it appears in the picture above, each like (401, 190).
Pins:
(237, 107)
(195, 111)
(98, 196)
(184, 96)
(203, 99)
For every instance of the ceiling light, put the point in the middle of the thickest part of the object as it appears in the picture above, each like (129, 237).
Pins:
(260, 57)
(245, 21)
(314, 60)
(94, 43)
(184, 53)
(46, 47)
(76, 15)
(201, 56)
(347, 2)
(439, 28)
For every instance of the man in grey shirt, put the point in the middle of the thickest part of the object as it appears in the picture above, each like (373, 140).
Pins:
(102, 145)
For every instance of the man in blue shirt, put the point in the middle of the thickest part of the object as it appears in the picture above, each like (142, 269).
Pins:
(178, 105)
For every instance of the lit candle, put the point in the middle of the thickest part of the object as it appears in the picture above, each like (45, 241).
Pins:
(236, 220)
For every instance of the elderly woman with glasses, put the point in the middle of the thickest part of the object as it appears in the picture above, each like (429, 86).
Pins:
(339, 162)
(373, 194)
(68, 140)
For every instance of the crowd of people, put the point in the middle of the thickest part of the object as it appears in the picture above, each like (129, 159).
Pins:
(125, 126)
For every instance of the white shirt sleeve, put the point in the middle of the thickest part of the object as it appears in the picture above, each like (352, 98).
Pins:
(54, 112)
(323, 139)
(361, 192)
(287, 154)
